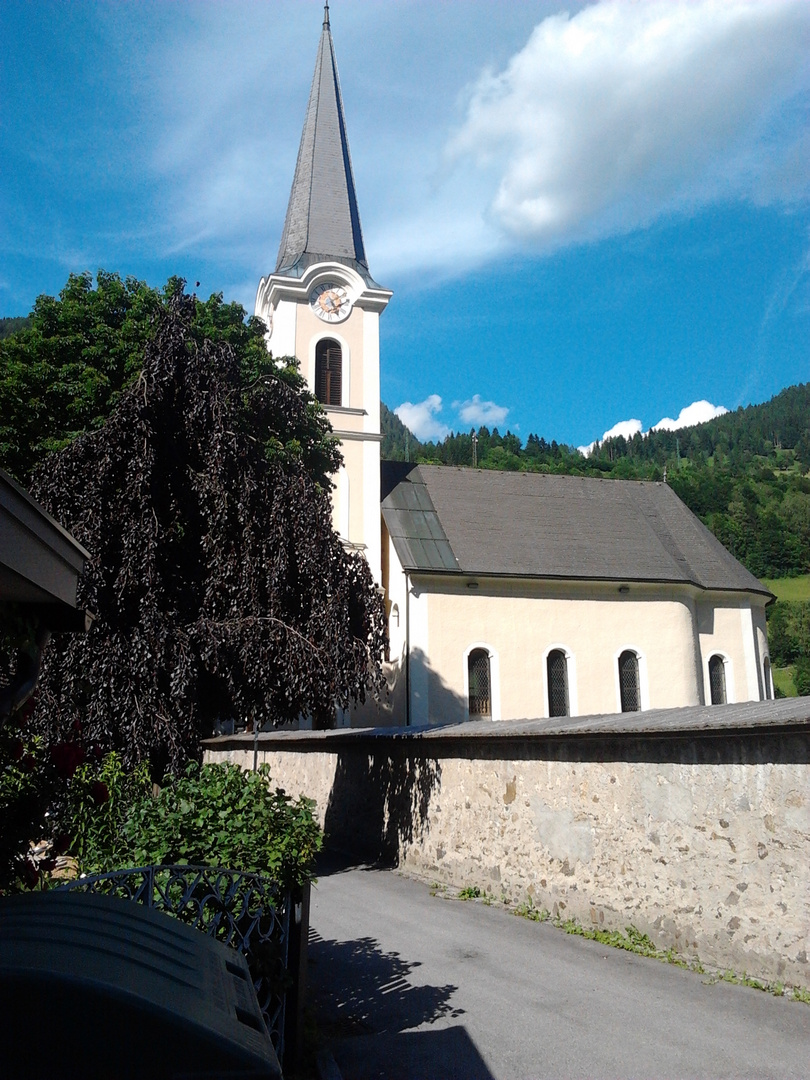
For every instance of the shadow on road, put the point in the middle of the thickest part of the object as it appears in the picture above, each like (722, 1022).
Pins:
(357, 988)
(446, 1054)
(366, 1007)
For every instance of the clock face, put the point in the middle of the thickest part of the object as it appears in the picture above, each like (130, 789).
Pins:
(330, 302)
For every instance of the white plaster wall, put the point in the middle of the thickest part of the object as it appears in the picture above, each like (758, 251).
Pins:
(352, 451)
(421, 661)
(371, 506)
(728, 626)
(371, 371)
(310, 329)
(282, 340)
(521, 620)
(341, 503)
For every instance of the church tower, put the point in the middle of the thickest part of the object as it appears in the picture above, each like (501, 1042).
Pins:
(322, 305)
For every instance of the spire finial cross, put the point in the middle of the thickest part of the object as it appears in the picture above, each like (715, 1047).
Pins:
(326, 15)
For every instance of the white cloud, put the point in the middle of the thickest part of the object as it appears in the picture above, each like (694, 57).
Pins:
(627, 428)
(476, 412)
(608, 119)
(696, 413)
(421, 418)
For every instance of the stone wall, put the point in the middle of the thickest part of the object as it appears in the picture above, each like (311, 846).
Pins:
(699, 839)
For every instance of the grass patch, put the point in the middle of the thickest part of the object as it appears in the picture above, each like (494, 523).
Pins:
(783, 680)
(633, 940)
(789, 588)
(529, 911)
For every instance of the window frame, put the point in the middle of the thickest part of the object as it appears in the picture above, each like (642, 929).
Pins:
(323, 344)
(729, 674)
(643, 684)
(494, 679)
(571, 677)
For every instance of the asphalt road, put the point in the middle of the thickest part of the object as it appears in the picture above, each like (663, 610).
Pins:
(408, 985)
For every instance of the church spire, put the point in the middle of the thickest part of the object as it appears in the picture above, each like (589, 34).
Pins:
(322, 220)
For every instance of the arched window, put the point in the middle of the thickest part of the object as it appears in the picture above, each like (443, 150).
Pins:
(328, 372)
(629, 687)
(479, 683)
(717, 680)
(766, 670)
(557, 672)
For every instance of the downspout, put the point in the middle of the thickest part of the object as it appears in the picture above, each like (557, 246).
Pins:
(407, 650)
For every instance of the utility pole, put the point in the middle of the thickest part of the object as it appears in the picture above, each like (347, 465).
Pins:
(475, 450)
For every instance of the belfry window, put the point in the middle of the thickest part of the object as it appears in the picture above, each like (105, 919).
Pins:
(766, 671)
(329, 372)
(629, 687)
(557, 671)
(479, 682)
(717, 680)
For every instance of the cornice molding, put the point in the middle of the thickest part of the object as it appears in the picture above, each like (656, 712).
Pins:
(277, 287)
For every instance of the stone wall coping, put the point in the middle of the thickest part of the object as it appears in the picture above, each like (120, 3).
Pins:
(777, 717)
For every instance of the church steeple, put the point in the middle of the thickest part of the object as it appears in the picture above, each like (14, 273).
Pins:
(322, 220)
(322, 306)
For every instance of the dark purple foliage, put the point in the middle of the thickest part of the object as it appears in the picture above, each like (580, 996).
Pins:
(219, 585)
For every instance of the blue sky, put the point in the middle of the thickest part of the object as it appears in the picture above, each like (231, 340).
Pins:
(589, 214)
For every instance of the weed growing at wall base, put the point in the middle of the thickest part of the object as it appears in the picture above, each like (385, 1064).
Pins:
(633, 940)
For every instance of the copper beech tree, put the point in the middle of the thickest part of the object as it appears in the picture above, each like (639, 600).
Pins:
(219, 585)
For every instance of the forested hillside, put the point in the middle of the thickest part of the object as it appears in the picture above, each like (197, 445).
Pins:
(13, 325)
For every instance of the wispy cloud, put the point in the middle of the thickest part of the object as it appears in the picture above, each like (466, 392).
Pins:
(785, 288)
(604, 120)
(480, 413)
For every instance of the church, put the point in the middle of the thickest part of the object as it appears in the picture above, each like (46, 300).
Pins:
(509, 595)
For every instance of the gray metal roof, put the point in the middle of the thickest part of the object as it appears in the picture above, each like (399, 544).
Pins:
(486, 523)
(790, 713)
(323, 222)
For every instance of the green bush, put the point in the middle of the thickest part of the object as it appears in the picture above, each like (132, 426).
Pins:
(212, 815)
(801, 676)
(100, 799)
